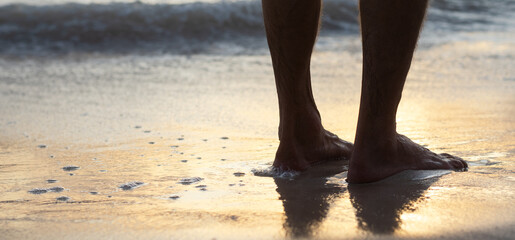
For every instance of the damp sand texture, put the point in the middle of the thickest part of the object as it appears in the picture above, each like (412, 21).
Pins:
(178, 146)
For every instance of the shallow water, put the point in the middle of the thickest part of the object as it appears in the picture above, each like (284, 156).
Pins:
(212, 123)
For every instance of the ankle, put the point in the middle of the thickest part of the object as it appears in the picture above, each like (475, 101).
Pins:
(379, 133)
(300, 125)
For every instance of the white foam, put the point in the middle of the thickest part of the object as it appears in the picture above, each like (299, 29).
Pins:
(275, 173)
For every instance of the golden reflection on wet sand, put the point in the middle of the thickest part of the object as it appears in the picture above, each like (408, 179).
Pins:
(381, 207)
(447, 109)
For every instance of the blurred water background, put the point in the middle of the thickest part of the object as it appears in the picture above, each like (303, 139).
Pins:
(30, 27)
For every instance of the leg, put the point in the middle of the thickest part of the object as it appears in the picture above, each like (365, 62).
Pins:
(389, 31)
(292, 28)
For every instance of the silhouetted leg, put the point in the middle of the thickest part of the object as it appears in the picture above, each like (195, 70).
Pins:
(292, 28)
(389, 31)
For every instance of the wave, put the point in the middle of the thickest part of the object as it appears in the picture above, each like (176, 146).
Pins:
(188, 28)
(125, 26)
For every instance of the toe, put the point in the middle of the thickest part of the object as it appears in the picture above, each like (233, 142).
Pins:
(465, 164)
(456, 164)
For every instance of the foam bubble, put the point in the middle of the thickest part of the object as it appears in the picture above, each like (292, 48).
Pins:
(275, 173)
(70, 168)
(63, 198)
(188, 181)
(46, 190)
(38, 191)
(131, 185)
(56, 189)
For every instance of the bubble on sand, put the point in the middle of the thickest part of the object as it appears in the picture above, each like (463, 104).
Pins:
(205, 140)
(102, 170)
(188, 181)
(180, 139)
(46, 190)
(203, 189)
(93, 193)
(131, 185)
(184, 160)
(42, 146)
(224, 138)
(71, 174)
(174, 146)
(137, 126)
(223, 159)
(231, 184)
(239, 174)
(63, 198)
(151, 142)
(38, 191)
(70, 168)
(201, 186)
(199, 158)
(51, 180)
(51, 156)
(275, 173)
(56, 189)
(174, 197)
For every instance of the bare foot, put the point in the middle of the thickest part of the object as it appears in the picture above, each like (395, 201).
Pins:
(374, 160)
(308, 146)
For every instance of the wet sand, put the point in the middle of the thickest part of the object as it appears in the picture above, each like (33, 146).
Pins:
(160, 147)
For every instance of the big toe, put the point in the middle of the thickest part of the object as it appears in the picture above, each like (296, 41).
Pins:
(456, 162)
